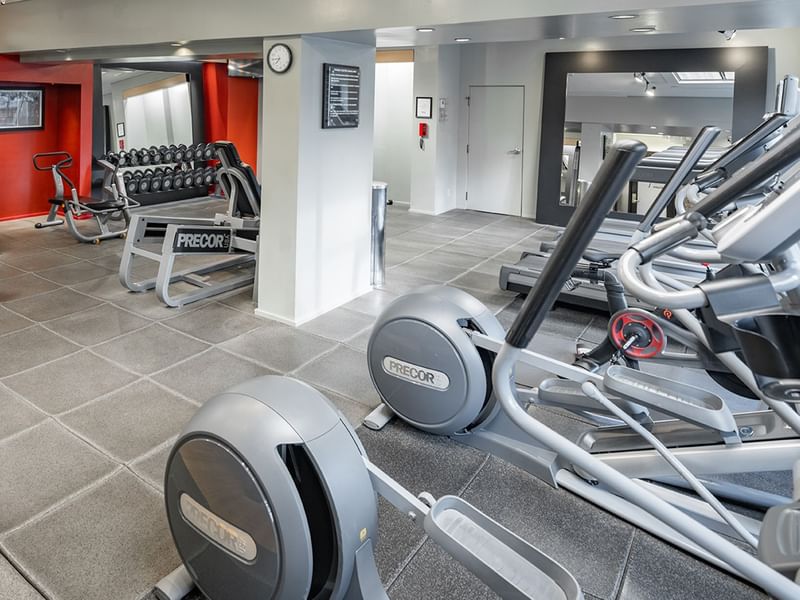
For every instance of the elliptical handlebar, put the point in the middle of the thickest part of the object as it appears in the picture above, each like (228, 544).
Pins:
(701, 143)
(614, 173)
(63, 163)
(782, 155)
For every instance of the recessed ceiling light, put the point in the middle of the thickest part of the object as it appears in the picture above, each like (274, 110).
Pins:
(653, 127)
(649, 29)
(426, 29)
(623, 17)
(562, 38)
(61, 51)
(176, 44)
(463, 39)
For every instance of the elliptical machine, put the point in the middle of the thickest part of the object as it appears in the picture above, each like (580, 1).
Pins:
(269, 492)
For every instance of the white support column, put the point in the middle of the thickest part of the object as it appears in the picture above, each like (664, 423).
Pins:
(317, 185)
(434, 167)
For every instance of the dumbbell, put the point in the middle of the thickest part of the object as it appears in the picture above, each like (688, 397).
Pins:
(199, 177)
(210, 152)
(167, 181)
(132, 183)
(123, 159)
(146, 182)
(157, 183)
(177, 180)
(209, 176)
(188, 179)
(133, 158)
(166, 155)
(178, 153)
(144, 157)
(188, 154)
(155, 155)
(111, 157)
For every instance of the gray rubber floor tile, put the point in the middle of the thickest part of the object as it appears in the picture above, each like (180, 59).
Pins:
(344, 371)
(74, 273)
(421, 267)
(52, 305)
(360, 341)
(111, 542)
(90, 251)
(150, 349)
(399, 256)
(279, 346)
(29, 348)
(242, 300)
(472, 248)
(434, 575)
(80, 378)
(16, 414)
(476, 280)
(495, 300)
(46, 259)
(354, 411)
(403, 283)
(110, 262)
(10, 321)
(453, 259)
(587, 541)
(97, 324)
(153, 466)
(132, 421)
(148, 305)
(6, 271)
(24, 286)
(210, 373)
(372, 303)
(14, 586)
(40, 467)
(107, 288)
(657, 571)
(215, 323)
(339, 324)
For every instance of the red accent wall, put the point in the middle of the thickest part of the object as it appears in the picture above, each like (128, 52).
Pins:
(67, 126)
(231, 105)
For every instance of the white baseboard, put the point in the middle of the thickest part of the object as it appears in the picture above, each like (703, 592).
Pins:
(417, 211)
(306, 318)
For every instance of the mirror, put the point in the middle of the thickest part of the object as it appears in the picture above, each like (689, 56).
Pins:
(147, 108)
(600, 91)
(664, 110)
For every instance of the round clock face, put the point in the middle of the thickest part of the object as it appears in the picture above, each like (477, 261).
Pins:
(279, 58)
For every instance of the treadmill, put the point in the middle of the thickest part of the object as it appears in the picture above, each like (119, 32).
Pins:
(593, 279)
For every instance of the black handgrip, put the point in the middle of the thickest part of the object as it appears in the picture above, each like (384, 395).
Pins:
(689, 161)
(782, 155)
(63, 163)
(606, 188)
(673, 236)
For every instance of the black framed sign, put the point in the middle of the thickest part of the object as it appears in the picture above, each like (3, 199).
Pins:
(120, 129)
(341, 91)
(424, 107)
(21, 108)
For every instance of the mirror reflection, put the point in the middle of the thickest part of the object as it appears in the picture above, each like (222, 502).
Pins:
(663, 110)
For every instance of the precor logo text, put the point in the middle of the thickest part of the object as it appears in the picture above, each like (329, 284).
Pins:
(218, 530)
(415, 373)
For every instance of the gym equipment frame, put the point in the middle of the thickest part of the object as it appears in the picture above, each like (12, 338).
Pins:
(232, 238)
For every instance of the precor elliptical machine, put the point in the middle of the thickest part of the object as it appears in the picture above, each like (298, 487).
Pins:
(431, 353)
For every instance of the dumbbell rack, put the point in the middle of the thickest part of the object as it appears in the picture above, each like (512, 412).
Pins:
(162, 197)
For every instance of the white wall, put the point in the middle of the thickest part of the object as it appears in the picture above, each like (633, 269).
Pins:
(522, 63)
(314, 247)
(434, 167)
(394, 127)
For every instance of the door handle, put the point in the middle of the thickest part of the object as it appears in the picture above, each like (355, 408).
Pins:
(515, 151)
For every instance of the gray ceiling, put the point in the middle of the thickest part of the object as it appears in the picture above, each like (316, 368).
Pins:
(624, 85)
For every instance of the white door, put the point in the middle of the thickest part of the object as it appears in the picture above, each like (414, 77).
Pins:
(494, 175)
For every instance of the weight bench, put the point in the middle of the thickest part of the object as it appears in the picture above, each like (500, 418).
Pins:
(231, 238)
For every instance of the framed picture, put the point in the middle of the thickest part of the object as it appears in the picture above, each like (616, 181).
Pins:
(424, 107)
(341, 88)
(120, 130)
(21, 108)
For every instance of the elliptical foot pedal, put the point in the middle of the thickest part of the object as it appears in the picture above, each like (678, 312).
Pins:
(503, 560)
(679, 400)
(378, 418)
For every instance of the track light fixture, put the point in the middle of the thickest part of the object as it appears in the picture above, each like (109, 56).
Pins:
(728, 34)
(650, 90)
(639, 77)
